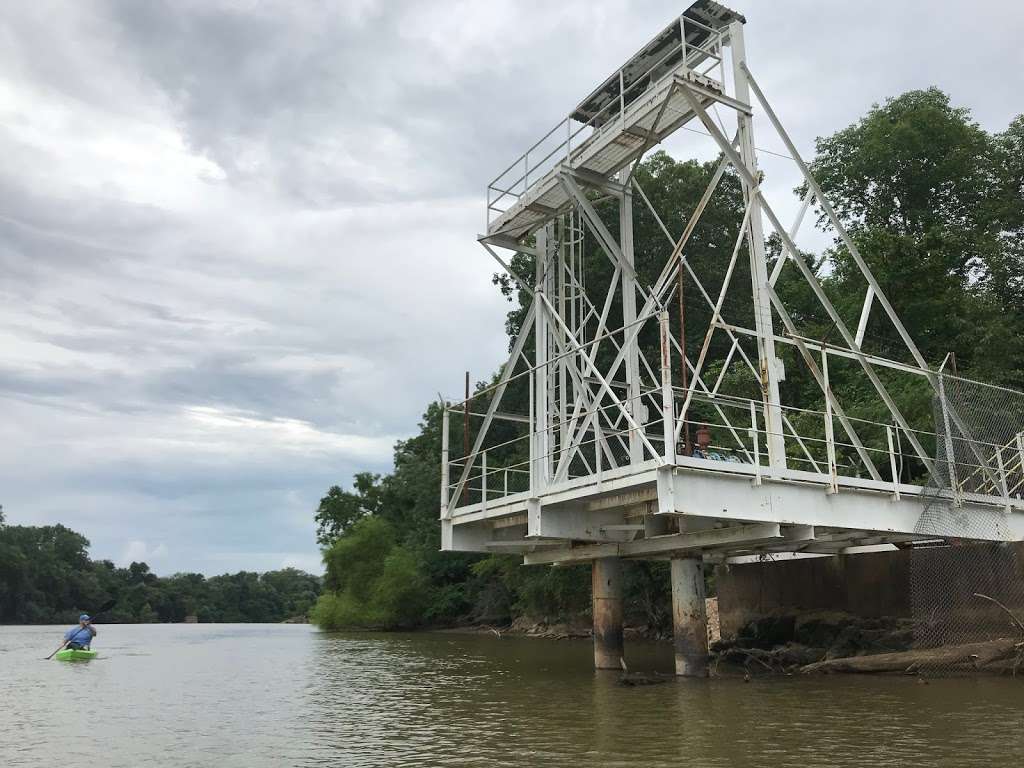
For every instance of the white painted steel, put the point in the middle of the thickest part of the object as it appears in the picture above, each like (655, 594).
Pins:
(758, 258)
(605, 478)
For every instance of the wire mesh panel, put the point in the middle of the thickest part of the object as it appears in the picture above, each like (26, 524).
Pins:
(965, 591)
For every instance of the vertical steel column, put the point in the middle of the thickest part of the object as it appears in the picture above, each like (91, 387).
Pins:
(534, 478)
(830, 438)
(684, 367)
(632, 362)
(483, 480)
(465, 444)
(606, 592)
(1020, 454)
(689, 617)
(667, 401)
(758, 263)
(567, 317)
(542, 420)
(465, 421)
(954, 483)
(444, 461)
(551, 272)
(892, 464)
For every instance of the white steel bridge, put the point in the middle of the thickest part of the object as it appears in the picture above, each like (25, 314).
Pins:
(696, 456)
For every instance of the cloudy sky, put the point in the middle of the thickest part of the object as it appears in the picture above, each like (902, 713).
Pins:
(237, 249)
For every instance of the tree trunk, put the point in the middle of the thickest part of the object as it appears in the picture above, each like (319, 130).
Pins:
(971, 656)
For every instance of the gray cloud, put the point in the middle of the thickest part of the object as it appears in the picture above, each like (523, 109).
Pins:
(236, 239)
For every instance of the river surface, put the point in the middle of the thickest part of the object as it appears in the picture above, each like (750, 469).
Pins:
(289, 695)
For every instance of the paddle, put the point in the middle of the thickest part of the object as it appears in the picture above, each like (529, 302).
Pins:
(92, 617)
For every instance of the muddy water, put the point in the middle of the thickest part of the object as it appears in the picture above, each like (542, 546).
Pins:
(245, 695)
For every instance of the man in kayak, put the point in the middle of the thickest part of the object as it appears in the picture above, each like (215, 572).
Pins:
(79, 638)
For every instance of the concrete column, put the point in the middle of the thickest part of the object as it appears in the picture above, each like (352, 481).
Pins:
(606, 589)
(689, 617)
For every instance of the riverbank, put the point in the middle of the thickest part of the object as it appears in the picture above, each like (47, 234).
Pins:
(812, 643)
(580, 628)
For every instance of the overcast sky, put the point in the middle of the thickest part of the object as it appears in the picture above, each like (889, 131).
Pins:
(237, 249)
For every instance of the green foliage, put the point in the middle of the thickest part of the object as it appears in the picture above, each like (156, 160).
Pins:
(339, 509)
(372, 580)
(540, 594)
(934, 205)
(335, 611)
(46, 577)
(355, 559)
(400, 589)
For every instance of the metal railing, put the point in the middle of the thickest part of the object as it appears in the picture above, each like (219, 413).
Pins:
(614, 426)
(737, 441)
(568, 139)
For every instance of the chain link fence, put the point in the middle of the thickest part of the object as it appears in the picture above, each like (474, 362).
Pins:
(968, 583)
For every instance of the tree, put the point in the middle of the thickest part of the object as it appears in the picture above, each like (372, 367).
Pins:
(913, 181)
(46, 576)
(339, 509)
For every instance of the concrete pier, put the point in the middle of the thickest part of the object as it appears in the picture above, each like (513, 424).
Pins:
(689, 617)
(606, 591)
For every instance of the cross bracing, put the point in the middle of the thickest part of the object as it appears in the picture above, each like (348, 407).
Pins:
(628, 438)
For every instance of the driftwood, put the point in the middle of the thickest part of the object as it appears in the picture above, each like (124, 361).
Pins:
(970, 656)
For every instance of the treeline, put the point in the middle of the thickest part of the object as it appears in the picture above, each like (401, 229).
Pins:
(935, 205)
(47, 577)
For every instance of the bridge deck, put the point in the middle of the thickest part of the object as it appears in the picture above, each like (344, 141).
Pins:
(718, 509)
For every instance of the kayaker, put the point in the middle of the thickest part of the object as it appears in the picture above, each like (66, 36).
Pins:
(80, 637)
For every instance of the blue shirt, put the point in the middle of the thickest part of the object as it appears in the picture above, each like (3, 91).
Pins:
(80, 635)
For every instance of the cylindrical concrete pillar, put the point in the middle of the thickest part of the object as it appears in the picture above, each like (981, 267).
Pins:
(606, 590)
(689, 617)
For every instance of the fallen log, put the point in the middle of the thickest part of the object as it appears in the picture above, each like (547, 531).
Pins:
(972, 655)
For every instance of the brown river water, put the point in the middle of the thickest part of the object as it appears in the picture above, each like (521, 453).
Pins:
(286, 695)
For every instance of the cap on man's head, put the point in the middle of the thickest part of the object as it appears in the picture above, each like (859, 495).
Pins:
(84, 617)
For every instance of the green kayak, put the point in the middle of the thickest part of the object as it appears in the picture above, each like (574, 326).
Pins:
(71, 655)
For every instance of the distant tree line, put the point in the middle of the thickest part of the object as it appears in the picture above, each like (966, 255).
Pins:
(935, 205)
(47, 577)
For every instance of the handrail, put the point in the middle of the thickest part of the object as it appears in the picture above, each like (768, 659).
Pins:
(615, 108)
(756, 433)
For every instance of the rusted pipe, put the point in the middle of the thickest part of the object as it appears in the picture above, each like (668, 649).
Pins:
(465, 420)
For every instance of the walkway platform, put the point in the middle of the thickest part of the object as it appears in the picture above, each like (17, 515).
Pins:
(699, 506)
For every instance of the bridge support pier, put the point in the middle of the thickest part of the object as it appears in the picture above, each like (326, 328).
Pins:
(606, 593)
(689, 617)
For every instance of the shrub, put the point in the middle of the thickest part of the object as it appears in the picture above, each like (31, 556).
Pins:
(372, 581)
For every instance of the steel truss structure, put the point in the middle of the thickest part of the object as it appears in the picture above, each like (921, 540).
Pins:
(606, 465)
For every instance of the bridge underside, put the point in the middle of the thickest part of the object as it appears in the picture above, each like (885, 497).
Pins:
(694, 509)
